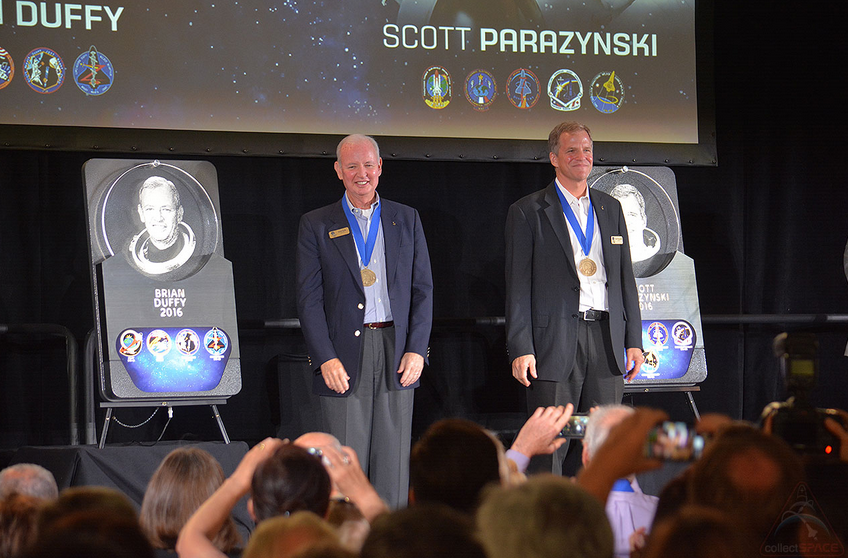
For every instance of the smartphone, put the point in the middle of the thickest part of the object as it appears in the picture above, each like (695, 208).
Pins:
(576, 426)
(674, 441)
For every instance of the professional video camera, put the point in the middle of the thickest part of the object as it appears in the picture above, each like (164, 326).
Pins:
(796, 420)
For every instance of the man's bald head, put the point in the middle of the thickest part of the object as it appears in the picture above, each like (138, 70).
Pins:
(318, 440)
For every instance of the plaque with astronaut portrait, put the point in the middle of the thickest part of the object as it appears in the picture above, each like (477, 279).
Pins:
(650, 212)
(160, 218)
(164, 301)
(672, 336)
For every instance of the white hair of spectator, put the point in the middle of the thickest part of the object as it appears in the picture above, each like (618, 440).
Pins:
(601, 420)
(28, 479)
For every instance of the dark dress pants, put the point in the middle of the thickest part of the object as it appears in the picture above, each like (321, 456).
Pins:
(595, 379)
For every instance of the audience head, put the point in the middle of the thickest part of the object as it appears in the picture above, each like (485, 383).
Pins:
(747, 474)
(601, 421)
(422, 531)
(325, 551)
(342, 510)
(28, 479)
(18, 518)
(314, 443)
(673, 496)
(181, 483)
(317, 440)
(91, 521)
(91, 533)
(76, 500)
(286, 536)
(697, 532)
(290, 480)
(350, 524)
(543, 518)
(451, 463)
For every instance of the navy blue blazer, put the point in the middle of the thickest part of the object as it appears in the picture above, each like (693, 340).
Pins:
(331, 298)
(543, 289)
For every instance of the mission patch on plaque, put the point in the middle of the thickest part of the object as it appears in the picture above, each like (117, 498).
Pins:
(436, 87)
(216, 343)
(130, 344)
(480, 89)
(668, 345)
(683, 335)
(93, 72)
(607, 92)
(188, 342)
(523, 88)
(159, 344)
(565, 90)
(7, 68)
(658, 334)
(160, 368)
(44, 70)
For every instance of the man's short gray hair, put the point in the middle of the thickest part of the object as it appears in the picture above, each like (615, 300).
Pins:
(355, 138)
(28, 479)
(563, 128)
(601, 421)
(545, 517)
(159, 182)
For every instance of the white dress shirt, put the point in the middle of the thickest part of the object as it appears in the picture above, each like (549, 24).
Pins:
(593, 290)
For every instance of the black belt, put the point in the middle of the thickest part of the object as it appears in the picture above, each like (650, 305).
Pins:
(378, 325)
(594, 315)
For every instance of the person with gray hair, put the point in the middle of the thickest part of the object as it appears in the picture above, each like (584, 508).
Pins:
(365, 303)
(28, 479)
(629, 510)
(546, 517)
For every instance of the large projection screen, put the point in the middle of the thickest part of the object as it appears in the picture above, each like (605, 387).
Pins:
(496, 70)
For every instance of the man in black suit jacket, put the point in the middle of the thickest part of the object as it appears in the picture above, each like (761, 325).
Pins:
(365, 303)
(572, 312)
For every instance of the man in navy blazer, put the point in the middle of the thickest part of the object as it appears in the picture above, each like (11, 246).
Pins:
(365, 300)
(572, 312)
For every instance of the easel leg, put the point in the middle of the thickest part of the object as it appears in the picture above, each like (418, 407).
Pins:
(220, 423)
(693, 406)
(105, 428)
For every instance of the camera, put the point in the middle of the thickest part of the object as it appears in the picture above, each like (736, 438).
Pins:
(674, 441)
(576, 426)
(796, 420)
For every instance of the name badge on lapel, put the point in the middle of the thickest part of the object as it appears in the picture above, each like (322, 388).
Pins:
(613, 239)
(339, 232)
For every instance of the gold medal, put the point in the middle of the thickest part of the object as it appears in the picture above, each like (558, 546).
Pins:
(369, 277)
(587, 267)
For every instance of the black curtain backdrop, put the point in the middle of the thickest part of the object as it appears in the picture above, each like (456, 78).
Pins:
(766, 228)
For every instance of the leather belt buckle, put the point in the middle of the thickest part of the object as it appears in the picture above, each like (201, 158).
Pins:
(378, 325)
(594, 315)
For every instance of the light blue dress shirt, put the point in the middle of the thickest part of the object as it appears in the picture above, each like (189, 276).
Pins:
(377, 306)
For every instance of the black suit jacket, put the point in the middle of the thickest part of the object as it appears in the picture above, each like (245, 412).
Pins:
(331, 298)
(543, 289)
